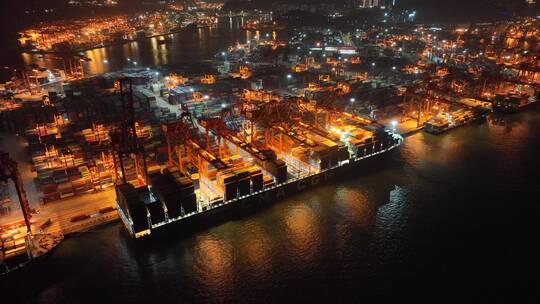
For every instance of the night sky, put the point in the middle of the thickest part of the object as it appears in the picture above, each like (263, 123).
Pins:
(467, 10)
(13, 16)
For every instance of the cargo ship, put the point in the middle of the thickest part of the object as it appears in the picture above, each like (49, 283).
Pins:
(257, 170)
(513, 102)
(442, 123)
(17, 260)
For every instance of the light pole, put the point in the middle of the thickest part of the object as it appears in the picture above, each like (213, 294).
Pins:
(393, 124)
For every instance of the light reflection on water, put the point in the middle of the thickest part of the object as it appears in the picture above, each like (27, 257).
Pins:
(256, 248)
(301, 228)
(354, 205)
(185, 47)
(213, 263)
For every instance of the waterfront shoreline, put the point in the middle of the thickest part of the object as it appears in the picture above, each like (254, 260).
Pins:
(80, 50)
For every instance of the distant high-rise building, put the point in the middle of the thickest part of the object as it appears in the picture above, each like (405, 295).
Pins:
(375, 3)
(368, 3)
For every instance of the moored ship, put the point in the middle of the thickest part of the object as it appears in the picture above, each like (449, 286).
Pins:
(294, 158)
(442, 123)
(513, 102)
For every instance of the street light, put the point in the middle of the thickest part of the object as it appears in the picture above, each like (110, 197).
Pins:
(394, 124)
(352, 99)
(289, 76)
(105, 61)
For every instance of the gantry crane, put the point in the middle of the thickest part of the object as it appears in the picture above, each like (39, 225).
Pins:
(9, 170)
(498, 80)
(183, 134)
(217, 126)
(177, 134)
(124, 141)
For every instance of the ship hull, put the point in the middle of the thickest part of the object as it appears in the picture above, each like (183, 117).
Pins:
(17, 273)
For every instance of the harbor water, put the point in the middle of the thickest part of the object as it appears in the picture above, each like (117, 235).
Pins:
(185, 47)
(450, 218)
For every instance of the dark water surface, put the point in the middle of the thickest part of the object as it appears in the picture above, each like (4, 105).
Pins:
(452, 218)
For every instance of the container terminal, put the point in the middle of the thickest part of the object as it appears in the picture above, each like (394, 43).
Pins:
(430, 78)
(252, 153)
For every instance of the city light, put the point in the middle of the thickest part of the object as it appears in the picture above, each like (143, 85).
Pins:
(238, 107)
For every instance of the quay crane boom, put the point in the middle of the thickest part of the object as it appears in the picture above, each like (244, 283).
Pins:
(9, 170)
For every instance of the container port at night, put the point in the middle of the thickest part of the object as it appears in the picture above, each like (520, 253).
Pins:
(164, 147)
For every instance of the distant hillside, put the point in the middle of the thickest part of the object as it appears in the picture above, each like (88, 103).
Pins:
(237, 5)
(428, 10)
(468, 10)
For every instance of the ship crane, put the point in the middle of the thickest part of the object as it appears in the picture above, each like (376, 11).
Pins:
(9, 171)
